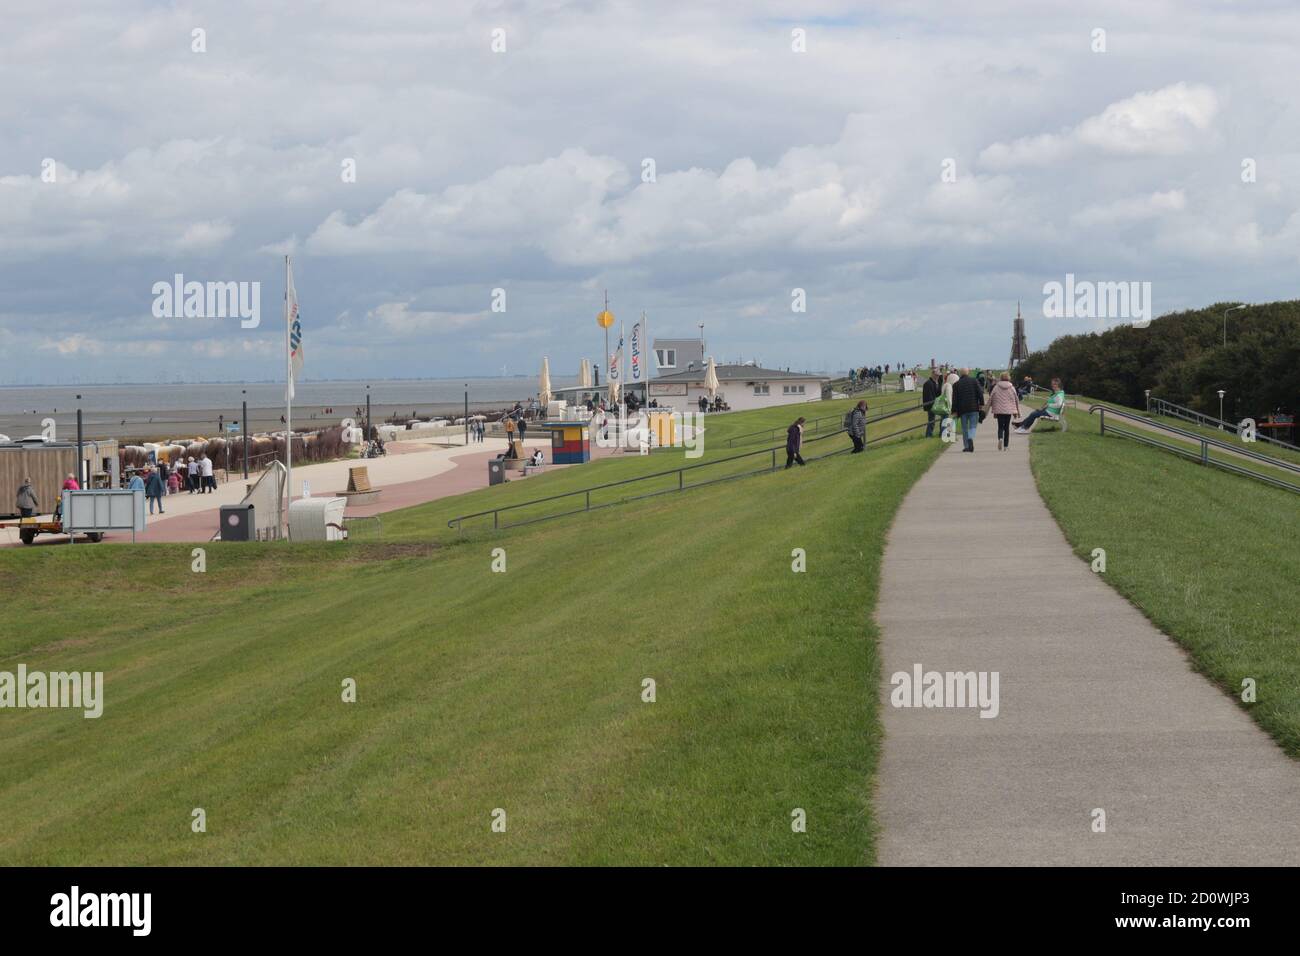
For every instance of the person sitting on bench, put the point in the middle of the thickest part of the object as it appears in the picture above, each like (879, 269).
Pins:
(1055, 407)
(538, 458)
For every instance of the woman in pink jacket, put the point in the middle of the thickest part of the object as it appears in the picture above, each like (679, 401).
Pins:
(1003, 404)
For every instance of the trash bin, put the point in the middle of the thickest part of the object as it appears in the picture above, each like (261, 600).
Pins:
(237, 523)
(496, 471)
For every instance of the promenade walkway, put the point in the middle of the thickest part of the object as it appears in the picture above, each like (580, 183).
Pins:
(412, 473)
(1097, 709)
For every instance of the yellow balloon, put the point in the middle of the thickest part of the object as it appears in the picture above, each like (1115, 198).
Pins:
(605, 319)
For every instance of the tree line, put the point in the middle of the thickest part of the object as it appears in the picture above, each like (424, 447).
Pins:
(1181, 358)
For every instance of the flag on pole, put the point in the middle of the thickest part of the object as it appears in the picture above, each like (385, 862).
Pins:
(636, 360)
(295, 332)
(615, 361)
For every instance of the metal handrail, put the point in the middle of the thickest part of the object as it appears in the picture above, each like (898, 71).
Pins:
(457, 522)
(772, 432)
(1205, 443)
(1173, 410)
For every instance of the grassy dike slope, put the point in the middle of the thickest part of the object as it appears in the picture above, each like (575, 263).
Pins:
(477, 690)
(1209, 557)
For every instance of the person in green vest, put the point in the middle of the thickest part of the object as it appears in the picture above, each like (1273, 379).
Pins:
(1055, 406)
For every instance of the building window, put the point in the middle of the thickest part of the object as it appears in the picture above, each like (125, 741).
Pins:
(666, 358)
(761, 390)
(792, 389)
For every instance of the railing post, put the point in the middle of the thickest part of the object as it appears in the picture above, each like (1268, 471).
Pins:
(1205, 452)
(681, 479)
(774, 459)
(588, 507)
(496, 516)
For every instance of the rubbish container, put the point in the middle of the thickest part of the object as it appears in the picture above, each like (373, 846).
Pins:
(237, 523)
(496, 472)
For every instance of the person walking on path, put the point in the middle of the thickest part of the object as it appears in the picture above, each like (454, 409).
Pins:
(858, 426)
(967, 402)
(943, 405)
(1055, 406)
(794, 442)
(136, 483)
(26, 500)
(1003, 404)
(209, 482)
(931, 390)
(191, 474)
(153, 489)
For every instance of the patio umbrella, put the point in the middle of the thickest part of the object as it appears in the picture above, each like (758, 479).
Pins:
(544, 384)
(711, 378)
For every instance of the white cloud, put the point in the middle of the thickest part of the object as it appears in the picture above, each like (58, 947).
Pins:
(774, 170)
(885, 326)
(1162, 122)
(76, 344)
(1132, 209)
(398, 319)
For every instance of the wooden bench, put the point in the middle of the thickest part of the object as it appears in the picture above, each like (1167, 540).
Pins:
(359, 479)
(1059, 419)
(359, 490)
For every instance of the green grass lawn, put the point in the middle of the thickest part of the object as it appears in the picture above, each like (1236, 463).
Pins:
(1210, 557)
(476, 690)
(1079, 417)
(429, 522)
(1231, 438)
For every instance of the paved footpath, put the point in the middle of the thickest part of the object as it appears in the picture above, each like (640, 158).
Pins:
(1098, 709)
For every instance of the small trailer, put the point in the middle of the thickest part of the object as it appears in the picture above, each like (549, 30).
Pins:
(29, 528)
(90, 512)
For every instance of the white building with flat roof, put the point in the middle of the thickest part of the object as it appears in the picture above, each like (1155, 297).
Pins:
(677, 355)
(741, 386)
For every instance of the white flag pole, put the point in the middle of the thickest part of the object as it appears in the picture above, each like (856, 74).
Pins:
(647, 363)
(288, 403)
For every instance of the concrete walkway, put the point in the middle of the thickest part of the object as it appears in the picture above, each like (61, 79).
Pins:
(412, 473)
(1097, 708)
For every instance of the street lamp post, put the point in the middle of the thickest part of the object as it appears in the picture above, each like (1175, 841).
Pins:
(243, 423)
(467, 414)
(367, 413)
(80, 480)
(1221, 393)
(1225, 323)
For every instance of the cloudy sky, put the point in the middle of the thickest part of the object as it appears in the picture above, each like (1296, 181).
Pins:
(526, 170)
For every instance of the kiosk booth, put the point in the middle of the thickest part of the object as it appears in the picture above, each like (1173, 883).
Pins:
(570, 442)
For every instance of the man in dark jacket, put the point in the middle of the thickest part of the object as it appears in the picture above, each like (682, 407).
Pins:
(794, 443)
(967, 400)
(858, 427)
(929, 392)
